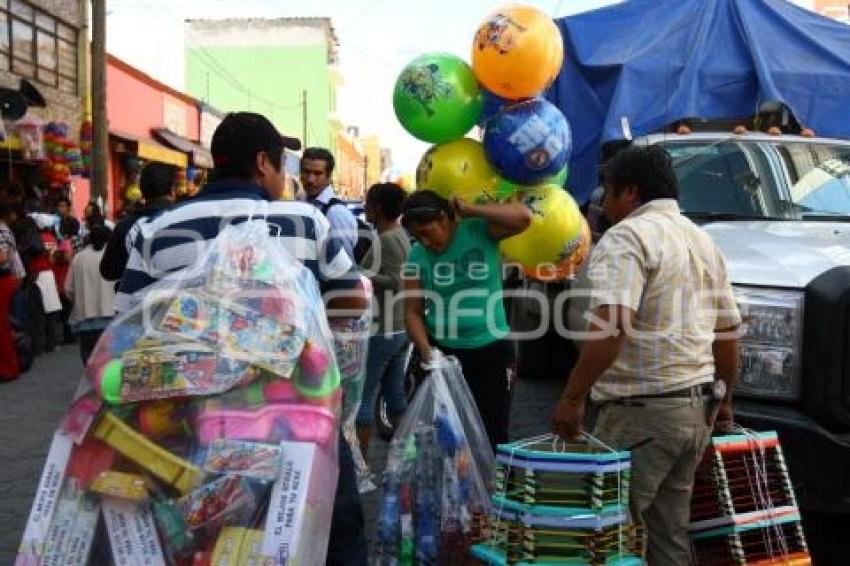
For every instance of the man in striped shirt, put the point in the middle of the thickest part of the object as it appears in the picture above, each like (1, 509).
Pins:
(664, 349)
(247, 152)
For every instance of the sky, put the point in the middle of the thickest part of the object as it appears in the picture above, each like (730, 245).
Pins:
(377, 39)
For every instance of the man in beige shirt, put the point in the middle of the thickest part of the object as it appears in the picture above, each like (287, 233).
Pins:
(662, 352)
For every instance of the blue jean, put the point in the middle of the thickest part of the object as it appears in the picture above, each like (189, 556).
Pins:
(384, 368)
(347, 545)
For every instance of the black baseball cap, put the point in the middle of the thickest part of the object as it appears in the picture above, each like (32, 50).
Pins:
(239, 137)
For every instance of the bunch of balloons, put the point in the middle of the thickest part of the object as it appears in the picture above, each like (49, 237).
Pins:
(59, 153)
(438, 98)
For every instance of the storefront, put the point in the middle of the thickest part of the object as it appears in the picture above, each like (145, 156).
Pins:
(149, 121)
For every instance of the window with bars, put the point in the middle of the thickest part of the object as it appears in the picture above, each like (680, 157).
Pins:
(37, 45)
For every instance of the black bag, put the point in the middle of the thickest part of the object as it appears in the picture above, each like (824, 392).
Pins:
(364, 230)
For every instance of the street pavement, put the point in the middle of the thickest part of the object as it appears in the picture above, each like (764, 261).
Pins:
(31, 407)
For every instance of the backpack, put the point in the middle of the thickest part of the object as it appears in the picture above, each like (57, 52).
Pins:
(364, 230)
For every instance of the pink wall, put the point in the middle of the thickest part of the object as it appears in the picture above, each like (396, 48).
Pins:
(134, 102)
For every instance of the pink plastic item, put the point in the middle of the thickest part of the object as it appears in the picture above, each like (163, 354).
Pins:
(272, 423)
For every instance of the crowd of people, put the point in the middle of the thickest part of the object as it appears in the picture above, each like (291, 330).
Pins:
(434, 266)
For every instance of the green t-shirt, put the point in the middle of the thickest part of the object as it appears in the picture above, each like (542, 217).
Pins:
(465, 308)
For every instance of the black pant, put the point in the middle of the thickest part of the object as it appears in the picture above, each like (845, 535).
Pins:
(347, 545)
(490, 371)
(88, 340)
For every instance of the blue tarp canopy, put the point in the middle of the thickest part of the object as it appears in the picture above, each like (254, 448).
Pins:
(653, 62)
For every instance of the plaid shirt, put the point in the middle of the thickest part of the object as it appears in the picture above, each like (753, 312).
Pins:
(668, 271)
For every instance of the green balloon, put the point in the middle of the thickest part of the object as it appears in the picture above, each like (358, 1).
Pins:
(505, 189)
(436, 98)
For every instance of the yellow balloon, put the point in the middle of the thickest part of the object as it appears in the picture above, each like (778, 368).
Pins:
(566, 268)
(517, 52)
(555, 231)
(133, 193)
(460, 169)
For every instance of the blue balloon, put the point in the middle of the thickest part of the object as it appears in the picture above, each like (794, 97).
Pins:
(493, 104)
(528, 141)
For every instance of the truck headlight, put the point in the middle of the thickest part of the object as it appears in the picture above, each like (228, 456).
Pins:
(771, 344)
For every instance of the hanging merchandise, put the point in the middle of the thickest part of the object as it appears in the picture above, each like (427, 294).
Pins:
(180, 183)
(743, 508)
(56, 170)
(561, 503)
(86, 138)
(351, 345)
(32, 138)
(435, 497)
(213, 420)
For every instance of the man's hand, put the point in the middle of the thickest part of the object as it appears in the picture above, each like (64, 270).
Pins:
(723, 422)
(568, 417)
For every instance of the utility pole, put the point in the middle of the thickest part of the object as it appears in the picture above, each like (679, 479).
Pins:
(100, 124)
(304, 117)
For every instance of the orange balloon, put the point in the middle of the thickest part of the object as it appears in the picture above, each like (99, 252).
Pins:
(517, 52)
(567, 267)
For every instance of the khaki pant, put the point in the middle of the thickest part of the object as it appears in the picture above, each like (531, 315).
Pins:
(662, 476)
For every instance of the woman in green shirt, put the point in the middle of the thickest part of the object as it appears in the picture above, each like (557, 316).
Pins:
(453, 294)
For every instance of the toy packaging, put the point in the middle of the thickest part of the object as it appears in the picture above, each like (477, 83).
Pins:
(561, 503)
(435, 498)
(206, 428)
(743, 508)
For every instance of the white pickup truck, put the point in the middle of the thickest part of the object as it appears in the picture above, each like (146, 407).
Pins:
(779, 209)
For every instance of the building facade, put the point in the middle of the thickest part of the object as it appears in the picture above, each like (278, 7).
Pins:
(150, 121)
(283, 68)
(42, 42)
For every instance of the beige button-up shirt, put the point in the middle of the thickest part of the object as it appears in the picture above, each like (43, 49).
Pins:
(663, 267)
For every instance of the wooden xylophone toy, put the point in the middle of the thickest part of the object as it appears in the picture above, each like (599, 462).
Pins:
(560, 503)
(743, 509)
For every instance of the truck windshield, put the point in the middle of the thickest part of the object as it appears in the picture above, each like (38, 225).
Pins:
(725, 178)
(819, 177)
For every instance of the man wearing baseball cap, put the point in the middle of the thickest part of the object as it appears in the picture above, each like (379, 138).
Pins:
(247, 182)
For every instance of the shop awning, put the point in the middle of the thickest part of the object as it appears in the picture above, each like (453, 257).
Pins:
(200, 155)
(152, 151)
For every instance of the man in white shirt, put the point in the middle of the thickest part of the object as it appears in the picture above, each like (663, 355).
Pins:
(317, 165)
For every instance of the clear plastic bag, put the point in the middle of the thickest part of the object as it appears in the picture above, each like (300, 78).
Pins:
(436, 493)
(208, 425)
(351, 345)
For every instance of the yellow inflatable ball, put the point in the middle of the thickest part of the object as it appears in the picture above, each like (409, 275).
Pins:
(133, 193)
(554, 233)
(547, 272)
(517, 52)
(459, 169)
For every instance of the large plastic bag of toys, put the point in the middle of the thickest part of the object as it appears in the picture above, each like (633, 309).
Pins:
(208, 431)
(436, 496)
(351, 345)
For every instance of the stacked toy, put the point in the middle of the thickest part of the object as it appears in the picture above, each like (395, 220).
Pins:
(435, 497)
(212, 426)
(516, 54)
(743, 509)
(560, 503)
